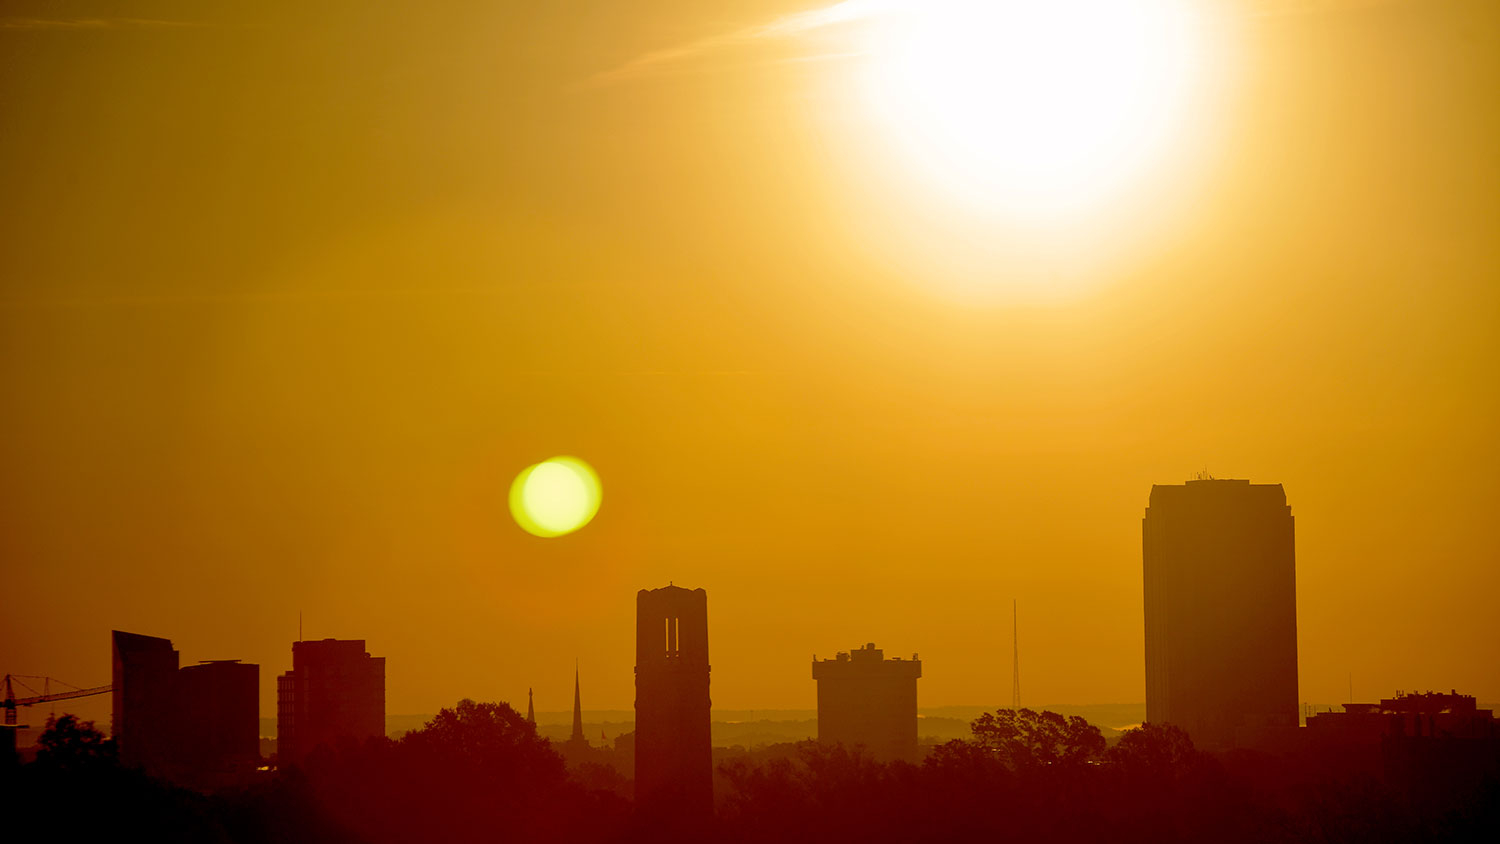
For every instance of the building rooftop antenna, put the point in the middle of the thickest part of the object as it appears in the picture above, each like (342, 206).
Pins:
(1015, 678)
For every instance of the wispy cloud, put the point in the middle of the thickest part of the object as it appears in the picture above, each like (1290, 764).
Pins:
(799, 24)
(785, 27)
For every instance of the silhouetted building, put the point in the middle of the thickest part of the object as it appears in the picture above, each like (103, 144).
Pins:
(1430, 746)
(625, 749)
(673, 745)
(198, 725)
(143, 672)
(1221, 611)
(218, 705)
(577, 738)
(1429, 714)
(334, 691)
(867, 700)
(576, 750)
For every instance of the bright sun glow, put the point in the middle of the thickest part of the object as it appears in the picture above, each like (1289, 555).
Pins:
(555, 497)
(1037, 108)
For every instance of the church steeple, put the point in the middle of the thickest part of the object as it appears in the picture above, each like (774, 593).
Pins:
(530, 709)
(577, 710)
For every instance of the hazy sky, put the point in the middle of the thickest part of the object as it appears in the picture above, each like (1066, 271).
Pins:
(289, 292)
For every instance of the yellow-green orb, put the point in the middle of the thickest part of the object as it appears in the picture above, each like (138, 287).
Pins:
(555, 496)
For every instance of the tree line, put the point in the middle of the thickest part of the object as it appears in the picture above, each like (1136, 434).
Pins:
(479, 772)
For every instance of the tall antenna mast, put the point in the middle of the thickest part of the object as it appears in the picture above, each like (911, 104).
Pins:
(1015, 639)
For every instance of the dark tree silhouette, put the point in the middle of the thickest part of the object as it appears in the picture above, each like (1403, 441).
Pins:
(1153, 747)
(68, 743)
(964, 769)
(1027, 739)
(490, 736)
(816, 792)
(478, 770)
(599, 776)
(77, 790)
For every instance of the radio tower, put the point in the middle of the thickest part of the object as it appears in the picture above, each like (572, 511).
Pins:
(1015, 640)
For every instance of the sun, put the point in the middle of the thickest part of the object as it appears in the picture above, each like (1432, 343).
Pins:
(1036, 107)
(554, 497)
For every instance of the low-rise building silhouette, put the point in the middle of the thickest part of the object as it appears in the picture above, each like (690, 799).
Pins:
(673, 742)
(1432, 746)
(1428, 714)
(866, 700)
(335, 691)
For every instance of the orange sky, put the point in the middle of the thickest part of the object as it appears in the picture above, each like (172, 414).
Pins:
(289, 297)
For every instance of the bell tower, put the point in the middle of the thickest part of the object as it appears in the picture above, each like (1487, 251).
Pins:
(673, 747)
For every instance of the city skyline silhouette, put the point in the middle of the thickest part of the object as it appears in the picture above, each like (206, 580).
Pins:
(1196, 552)
(273, 355)
(365, 366)
(1218, 566)
(1218, 563)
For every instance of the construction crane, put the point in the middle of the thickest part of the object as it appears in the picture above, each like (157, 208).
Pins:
(46, 695)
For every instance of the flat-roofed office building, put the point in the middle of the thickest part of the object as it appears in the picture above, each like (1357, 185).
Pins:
(335, 691)
(868, 701)
(1221, 610)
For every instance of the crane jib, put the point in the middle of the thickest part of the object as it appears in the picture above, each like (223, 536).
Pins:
(11, 702)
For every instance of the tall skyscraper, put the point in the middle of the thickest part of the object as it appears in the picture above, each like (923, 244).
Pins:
(673, 747)
(334, 691)
(869, 701)
(1221, 610)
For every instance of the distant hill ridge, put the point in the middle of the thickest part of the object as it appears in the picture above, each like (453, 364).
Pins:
(750, 727)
